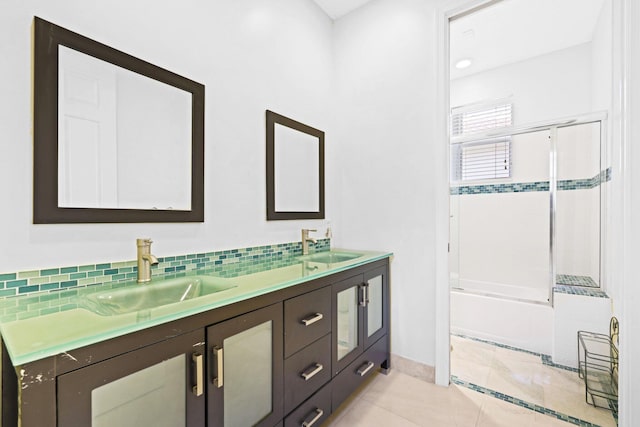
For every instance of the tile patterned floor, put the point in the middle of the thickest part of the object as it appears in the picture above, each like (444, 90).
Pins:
(399, 400)
(525, 379)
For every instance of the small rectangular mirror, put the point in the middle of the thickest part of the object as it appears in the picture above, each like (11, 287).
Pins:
(116, 139)
(295, 169)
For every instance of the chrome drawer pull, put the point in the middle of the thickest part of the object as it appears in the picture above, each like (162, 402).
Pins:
(317, 414)
(307, 375)
(218, 354)
(313, 319)
(362, 370)
(197, 359)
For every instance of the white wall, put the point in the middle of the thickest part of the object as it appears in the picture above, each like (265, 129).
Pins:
(601, 57)
(244, 53)
(385, 81)
(545, 87)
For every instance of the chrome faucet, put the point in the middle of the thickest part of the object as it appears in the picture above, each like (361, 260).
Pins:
(145, 259)
(306, 239)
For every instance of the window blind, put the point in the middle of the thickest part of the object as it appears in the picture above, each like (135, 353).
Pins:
(487, 159)
(476, 119)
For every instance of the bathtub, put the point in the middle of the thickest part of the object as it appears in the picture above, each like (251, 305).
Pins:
(504, 314)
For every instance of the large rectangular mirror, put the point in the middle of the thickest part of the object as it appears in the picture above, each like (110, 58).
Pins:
(116, 139)
(295, 169)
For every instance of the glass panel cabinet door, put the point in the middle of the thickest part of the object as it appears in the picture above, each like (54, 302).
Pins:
(347, 322)
(246, 362)
(374, 305)
(375, 296)
(248, 357)
(159, 385)
(152, 396)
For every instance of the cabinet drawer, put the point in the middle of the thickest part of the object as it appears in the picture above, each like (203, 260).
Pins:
(317, 408)
(362, 368)
(306, 318)
(313, 363)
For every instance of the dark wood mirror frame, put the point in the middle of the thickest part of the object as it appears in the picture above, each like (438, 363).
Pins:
(47, 38)
(272, 214)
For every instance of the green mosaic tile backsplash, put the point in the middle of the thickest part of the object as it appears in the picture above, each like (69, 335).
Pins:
(70, 281)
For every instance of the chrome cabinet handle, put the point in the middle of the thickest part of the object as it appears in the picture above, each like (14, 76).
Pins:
(317, 414)
(365, 296)
(197, 359)
(313, 319)
(218, 354)
(362, 370)
(312, 371)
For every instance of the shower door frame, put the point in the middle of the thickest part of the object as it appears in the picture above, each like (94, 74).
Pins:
(552, 126)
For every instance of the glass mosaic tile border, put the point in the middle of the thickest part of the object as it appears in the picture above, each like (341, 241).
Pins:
(525, 187)
(580, 290)
(520, 187)
(524, 404)
(245, 261)
(572, 280)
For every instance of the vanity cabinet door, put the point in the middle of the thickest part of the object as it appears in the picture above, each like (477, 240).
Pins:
(246, 369)
(161, 385)
(376, 295)
(360, 314)
(347, 321)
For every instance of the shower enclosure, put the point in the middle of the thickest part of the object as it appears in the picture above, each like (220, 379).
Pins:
(525, 209)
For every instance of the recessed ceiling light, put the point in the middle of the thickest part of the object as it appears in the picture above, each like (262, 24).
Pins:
(463, 63)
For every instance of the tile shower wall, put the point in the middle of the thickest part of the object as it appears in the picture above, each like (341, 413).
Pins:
(45, 286)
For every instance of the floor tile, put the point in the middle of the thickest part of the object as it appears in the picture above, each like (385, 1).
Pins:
(497, 413)
(424, 403)
(401, 400)
(366, 414)
(523, 376)
(517, 381)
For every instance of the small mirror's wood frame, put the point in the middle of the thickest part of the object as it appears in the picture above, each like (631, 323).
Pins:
(47, 38)
(272, 214)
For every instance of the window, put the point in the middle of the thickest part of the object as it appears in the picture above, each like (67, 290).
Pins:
(483, 158)
(486, 159)
(479, 117)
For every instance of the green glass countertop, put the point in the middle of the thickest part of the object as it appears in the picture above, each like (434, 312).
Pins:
(78, 325)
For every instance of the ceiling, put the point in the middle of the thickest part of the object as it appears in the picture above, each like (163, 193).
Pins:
(514, 30)
(337, 8)
(508, 31)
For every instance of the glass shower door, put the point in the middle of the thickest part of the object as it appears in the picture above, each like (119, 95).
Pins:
(579, 184)
(500, 242)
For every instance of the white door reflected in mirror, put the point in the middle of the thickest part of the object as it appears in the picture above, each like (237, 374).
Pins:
(296, 177)
(124, 139)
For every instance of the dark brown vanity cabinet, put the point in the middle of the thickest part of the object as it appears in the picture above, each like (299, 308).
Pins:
(289, 357)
